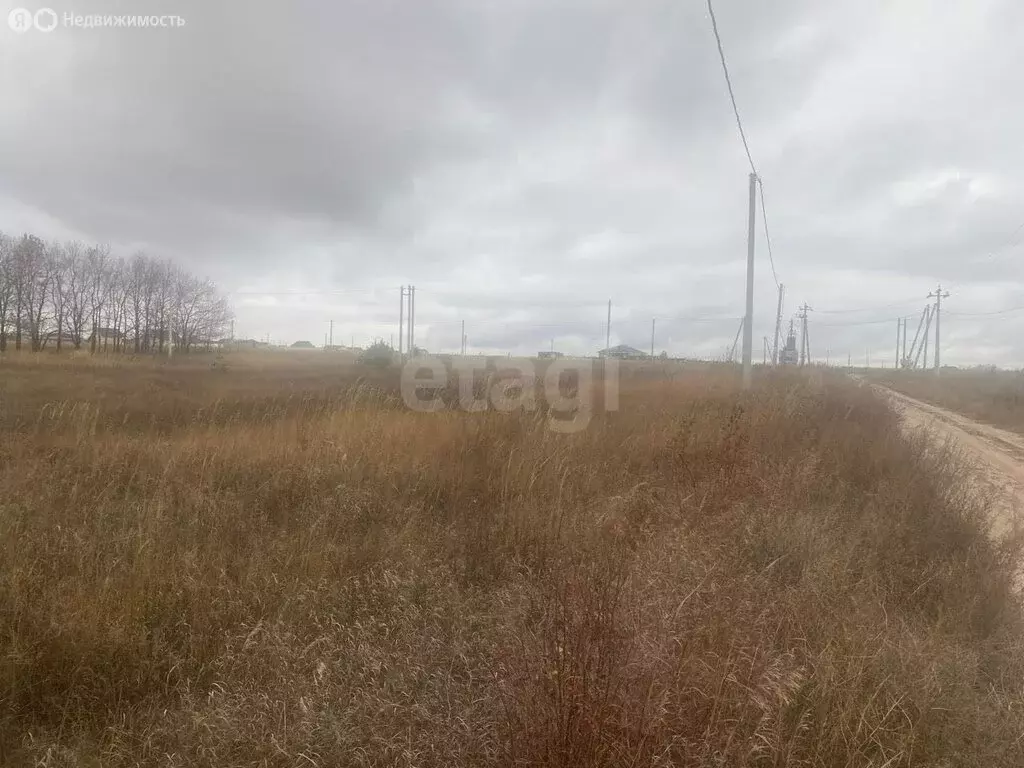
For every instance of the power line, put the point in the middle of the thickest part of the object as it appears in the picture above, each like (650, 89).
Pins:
(854, 323)
(309, 293)
(743, 138)
(866, 309)
(1011, 243)
(728, 83)
(985, 314)
(767, 237)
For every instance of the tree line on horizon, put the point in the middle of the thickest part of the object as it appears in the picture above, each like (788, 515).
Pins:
(57, 295)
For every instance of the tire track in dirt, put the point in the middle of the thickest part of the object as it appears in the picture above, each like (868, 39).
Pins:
(996, 455)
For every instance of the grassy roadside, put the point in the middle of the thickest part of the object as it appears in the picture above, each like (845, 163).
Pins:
(994, 397)
(289, 569)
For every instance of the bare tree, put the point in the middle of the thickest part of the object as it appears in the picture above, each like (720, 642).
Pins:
(35, 278)
(67, 290)
(58, 267)
(76, 282)
(97, 266)
(7, 278)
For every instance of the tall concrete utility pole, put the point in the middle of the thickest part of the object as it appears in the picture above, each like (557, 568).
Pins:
(608, 328)
(401, 325)
(332, 334)
(778, 326)
(915, 351)
(462, 348)
(748, 325)
(805, 340)
(899, 325)
(412, 320)
(938, 296)
(653, 321)
(930, 311)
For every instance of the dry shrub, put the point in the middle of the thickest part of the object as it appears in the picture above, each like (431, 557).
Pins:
(285, 567)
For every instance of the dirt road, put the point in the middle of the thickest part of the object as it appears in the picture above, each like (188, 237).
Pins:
(997, 455)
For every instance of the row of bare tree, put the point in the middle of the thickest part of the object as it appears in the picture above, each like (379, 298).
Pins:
(70, 295)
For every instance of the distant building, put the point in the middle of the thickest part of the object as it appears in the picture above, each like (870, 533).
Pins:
(106, 334)
(623, 352)
(546, 354)
(303, 345)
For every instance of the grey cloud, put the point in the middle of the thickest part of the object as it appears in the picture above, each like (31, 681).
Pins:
(521, 159)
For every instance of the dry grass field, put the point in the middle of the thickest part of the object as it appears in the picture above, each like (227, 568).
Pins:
(995, 397)
(273, 562)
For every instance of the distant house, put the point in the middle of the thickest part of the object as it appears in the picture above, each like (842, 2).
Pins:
(623, 352)
(105, 335)
(546, 354)
(65, 339)
(303, 345)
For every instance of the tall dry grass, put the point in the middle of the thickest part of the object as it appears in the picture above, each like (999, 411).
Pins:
(283, 566)
(995, 397)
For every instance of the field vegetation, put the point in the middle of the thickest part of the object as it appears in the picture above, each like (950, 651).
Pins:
(992, 396)
(271, 561)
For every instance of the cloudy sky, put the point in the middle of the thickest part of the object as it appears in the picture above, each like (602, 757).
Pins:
(524, 161)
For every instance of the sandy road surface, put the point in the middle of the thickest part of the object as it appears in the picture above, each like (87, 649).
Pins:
(997, 455)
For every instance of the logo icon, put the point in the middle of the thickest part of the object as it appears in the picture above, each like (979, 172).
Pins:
(20, 20)
(45, 20)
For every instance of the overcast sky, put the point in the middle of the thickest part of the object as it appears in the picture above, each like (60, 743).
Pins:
(523, 161)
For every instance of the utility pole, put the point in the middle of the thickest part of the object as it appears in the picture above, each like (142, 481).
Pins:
(805, 340)
(463, 347)
(748, 326)
(915, 351)
(732, 352)
(778, 326)
(929, 311)
(903, 352)
(653, 321)
(401, 325)
(899, 326)
(608, 328)
(332, 333)
(412, 320)
(938, 296)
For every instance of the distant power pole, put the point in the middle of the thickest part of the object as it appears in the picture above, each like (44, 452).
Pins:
(938, 296)
(778, 326)
(608, 328)
(463, 347)
(401, 323)
(748, 325)
(805, 340)
(412, 319)
(653, 321)
(332, 333)
(929, 314)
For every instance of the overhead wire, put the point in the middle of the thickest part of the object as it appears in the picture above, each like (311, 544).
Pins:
(728, 83)
(743, 137)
